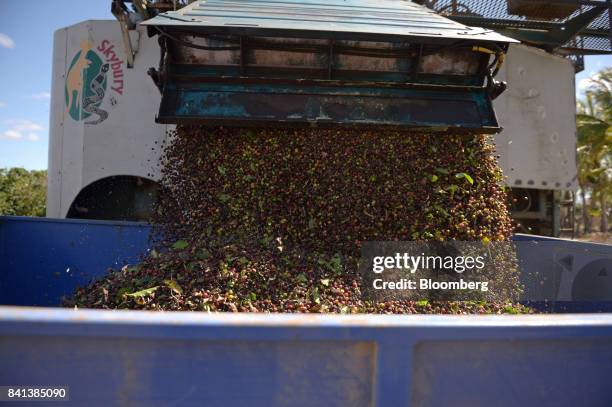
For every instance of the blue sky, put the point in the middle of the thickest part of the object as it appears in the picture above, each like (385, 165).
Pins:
(26, 45)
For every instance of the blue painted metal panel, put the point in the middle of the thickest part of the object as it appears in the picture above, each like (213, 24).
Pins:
(197, 359)
(565, 276)
(42, 260)
(304, 105)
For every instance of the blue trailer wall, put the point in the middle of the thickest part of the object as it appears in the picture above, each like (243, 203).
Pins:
(42, 260)
(139, 358)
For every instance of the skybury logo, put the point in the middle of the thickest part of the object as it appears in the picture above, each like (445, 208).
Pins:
(91, 73)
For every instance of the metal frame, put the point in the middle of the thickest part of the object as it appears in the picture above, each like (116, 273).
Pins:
(122, 15)
(552, 34)
(549, 35)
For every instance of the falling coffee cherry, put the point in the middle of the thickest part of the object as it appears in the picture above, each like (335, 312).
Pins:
(272, 220)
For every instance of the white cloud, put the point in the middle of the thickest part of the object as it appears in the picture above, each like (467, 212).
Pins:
(40, 96)
(584, 84)
(24, 125)
(594, 80)
(2, 104)
(20, 129)
(11, 134)
(6, 41)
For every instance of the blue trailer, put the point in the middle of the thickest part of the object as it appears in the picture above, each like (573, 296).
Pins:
(140, 358)
(121, 358)
(438, 78)
(44, 260)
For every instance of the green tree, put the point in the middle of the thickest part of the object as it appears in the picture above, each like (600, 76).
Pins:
(595, 149)
(22, 192)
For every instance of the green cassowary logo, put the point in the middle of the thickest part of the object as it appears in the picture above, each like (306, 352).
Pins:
(86, 85)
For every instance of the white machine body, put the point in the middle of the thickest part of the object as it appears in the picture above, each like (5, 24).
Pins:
(103, 122)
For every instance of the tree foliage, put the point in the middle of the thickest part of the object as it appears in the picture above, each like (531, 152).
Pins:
(595, 149)
(22, 192)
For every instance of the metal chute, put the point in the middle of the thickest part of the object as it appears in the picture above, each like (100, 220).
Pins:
(334, 63)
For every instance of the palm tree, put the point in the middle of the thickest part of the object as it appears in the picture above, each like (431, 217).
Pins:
(595, 148)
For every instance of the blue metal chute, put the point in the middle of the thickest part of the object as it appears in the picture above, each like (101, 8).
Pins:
(339, 63)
